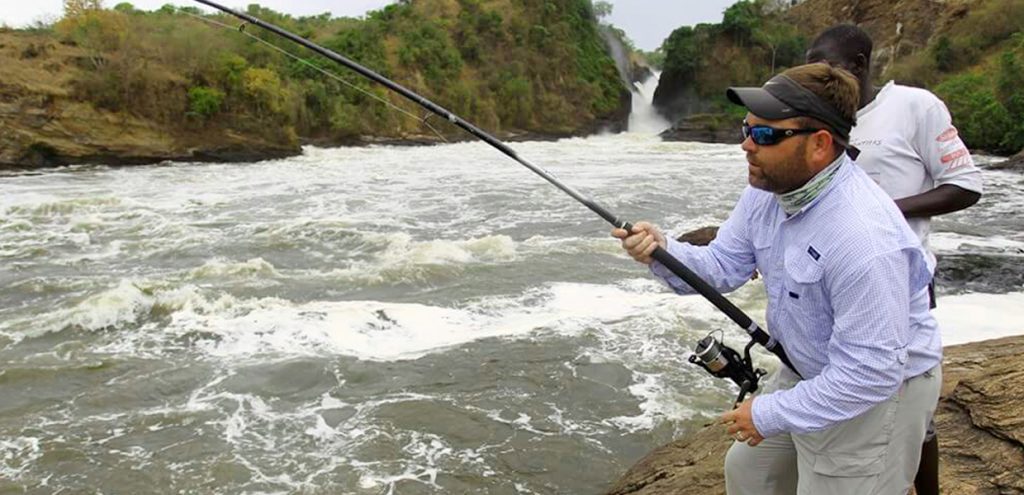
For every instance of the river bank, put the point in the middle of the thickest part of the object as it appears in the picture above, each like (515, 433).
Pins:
(64, 101)
(980, 431)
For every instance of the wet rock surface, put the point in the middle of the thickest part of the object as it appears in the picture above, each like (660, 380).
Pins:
(980, 430)
(705, 128)
(992, 273)
(1014, 163)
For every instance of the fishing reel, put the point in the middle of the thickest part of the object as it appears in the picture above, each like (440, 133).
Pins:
(724, 362)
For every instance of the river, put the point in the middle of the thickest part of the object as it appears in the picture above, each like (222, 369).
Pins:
(404, 320)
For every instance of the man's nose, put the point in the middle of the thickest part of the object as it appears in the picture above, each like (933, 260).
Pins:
(748, 145)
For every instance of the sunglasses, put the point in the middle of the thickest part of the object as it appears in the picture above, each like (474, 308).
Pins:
(763, 135)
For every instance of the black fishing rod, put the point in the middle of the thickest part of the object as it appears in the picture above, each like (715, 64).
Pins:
(713, 356)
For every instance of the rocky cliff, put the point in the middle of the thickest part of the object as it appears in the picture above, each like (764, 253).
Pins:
(897, 28)
(124, 86)
(43, 124)
(979, 423)
(1015, 162)
(741, 49)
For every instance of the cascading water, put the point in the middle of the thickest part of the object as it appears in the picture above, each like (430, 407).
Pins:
(644, 119)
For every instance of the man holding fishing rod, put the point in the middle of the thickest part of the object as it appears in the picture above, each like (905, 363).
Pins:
(847, 285)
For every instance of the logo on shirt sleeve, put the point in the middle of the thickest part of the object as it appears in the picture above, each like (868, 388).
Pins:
(813, 252)
(960, 158)
(949, 135)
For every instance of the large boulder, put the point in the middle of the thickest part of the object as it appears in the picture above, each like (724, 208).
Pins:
(705, 128)
(1015, 162)
(980, 428)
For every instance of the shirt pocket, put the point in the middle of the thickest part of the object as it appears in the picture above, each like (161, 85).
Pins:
(803, 292)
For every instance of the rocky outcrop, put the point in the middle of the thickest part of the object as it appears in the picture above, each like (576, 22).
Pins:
(705, 128)
(676, 98)
(1015, 163)
(996, 273)
(699, 237)
(44, 124)
(51, 117)
(897, 28)
(980, 428)
(993, 272)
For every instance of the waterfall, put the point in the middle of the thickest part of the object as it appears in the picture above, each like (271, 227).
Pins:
(644, 119)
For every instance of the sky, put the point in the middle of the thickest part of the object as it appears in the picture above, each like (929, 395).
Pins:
(646, 22)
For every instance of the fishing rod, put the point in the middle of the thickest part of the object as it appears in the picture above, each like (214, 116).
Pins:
(710, 353)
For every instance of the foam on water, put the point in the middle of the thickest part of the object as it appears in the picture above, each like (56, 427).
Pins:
(950, 243)
(17, 456)
(406, 260)
(974, 317)
(383, 331)
(221, 268)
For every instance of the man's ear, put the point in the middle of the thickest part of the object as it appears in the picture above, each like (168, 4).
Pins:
(862, 65)
(822, 147)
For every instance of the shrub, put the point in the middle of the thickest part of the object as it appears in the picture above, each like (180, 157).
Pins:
(204, 102)
(263, 87)
(982, 120)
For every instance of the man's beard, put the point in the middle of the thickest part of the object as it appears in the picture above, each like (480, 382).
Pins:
(782, 178)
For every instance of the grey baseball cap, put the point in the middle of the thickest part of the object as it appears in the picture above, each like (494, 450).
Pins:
(782, 98)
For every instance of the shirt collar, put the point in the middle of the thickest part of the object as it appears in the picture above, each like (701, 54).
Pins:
(877, 101)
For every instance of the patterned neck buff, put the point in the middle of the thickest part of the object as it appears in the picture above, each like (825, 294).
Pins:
(794, 200)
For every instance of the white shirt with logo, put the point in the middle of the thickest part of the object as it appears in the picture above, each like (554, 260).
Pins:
(909, 146)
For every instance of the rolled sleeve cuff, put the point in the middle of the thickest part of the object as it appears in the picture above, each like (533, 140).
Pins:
(661, 271)
(766, 415)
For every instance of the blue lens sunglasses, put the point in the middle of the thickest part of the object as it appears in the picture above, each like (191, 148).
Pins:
(763, 135)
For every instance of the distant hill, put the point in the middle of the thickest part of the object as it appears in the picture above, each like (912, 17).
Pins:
(970, 52)
(125, 86)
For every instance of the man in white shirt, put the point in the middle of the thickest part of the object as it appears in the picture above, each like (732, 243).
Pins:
(911, 149)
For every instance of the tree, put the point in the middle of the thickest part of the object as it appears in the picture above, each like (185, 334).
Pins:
(603, 9)
(742, 19)
(682, 53)
(75, 8)
(204, 102)
(263, 87)
(776, 37)
(942, 54)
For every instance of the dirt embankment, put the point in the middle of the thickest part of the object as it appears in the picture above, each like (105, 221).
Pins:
(44, 124)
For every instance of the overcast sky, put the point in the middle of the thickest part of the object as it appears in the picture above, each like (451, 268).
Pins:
(647, 22)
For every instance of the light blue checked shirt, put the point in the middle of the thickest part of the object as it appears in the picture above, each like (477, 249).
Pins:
(847, 296)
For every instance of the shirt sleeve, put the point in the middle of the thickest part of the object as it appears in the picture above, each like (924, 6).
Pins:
(945, 156)
(727, 263)
(867, 351)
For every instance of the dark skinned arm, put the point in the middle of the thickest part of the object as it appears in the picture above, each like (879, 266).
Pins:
(944, 199)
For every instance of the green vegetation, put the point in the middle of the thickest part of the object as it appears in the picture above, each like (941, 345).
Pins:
(987, 103)
(750, 44)
(535, 65)
(975, 64)
(977, 67)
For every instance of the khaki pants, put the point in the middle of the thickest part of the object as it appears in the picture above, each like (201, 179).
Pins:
(875, 453)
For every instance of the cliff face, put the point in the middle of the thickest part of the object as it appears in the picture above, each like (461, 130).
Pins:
(746, 47)
(979, 423)
(44, 125)
(897, 28)
(123, 86)
(1016, 162)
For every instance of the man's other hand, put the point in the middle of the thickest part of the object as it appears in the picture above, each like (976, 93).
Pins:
(641, 242)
